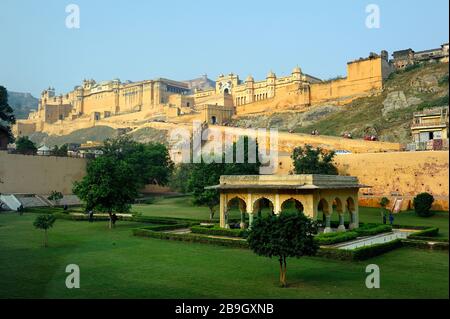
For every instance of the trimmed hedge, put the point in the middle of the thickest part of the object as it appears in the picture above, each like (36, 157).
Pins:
(428, 232)
(367, 252)
(82, 217)
(162, 220)
(334, 253)
(421, 244)
(140, 219)
(217, 231)
(336, 237)
(193, 238)
(360, 253)
(167, 227)
(427, 238)
(372, 229)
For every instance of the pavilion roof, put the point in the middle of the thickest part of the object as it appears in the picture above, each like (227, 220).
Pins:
(288, 182)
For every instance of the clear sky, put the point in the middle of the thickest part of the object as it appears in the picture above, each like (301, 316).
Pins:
(136, 39)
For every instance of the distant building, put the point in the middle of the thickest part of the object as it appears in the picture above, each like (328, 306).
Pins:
(407, 57)
(403, 58)
(90, 149)
(430, 128)
(44, 151)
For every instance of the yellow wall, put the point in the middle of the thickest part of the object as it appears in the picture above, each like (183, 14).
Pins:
(403, 173)
(39, 174)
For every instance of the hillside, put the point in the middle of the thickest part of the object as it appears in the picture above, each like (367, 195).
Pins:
(22, 103)
(98, 134)
(389, 113)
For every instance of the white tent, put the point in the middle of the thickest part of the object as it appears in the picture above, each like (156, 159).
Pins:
(44, 151)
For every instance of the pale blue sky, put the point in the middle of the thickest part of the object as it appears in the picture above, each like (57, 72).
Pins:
(136, 40)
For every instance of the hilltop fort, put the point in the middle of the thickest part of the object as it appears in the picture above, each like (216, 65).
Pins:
(212, 101)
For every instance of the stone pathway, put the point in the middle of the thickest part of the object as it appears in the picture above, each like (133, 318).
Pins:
(376, 239)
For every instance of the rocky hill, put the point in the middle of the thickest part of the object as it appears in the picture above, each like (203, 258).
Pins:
(389, 114)
(22, 103)
(96, 133)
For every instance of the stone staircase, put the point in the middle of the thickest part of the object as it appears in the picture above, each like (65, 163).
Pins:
(13, 201)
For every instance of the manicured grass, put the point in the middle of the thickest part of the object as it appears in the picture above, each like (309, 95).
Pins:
(115, 264)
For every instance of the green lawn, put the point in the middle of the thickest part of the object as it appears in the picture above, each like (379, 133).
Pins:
(115, 264)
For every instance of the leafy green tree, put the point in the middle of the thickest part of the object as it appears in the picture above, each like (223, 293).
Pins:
(110, 185)
(44, 222)
(283, 236)
(308, 160)
(7, 117)
(202, 175)
(55, 196)
(208, 174)
(422, 204)
(60, 151)
(151, 163)
(179, 178)
(25, 146)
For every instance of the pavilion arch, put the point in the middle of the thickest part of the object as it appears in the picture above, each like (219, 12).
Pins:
(292, 202)
(338, 206)
(352, 211)
(261, 203)
(350, 205)
(323, 206)
(241, 205)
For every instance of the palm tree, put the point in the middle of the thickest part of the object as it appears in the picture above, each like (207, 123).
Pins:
(44, 222)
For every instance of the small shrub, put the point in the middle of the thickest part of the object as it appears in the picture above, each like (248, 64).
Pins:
(422, 204)
(444, 80)
(149, 201)
(334, 238)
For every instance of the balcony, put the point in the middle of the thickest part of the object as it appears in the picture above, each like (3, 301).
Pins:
(431, 124)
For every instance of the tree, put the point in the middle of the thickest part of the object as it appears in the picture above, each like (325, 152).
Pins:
(202, 175)
(25, 146)
(308, 160)
(283, 236)
(178, 180)
(44, 222)
(55, 196)
(109, 185)
(422, 204)
(60, 151)
(150, 162)
(208, 174)
(7, 117)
